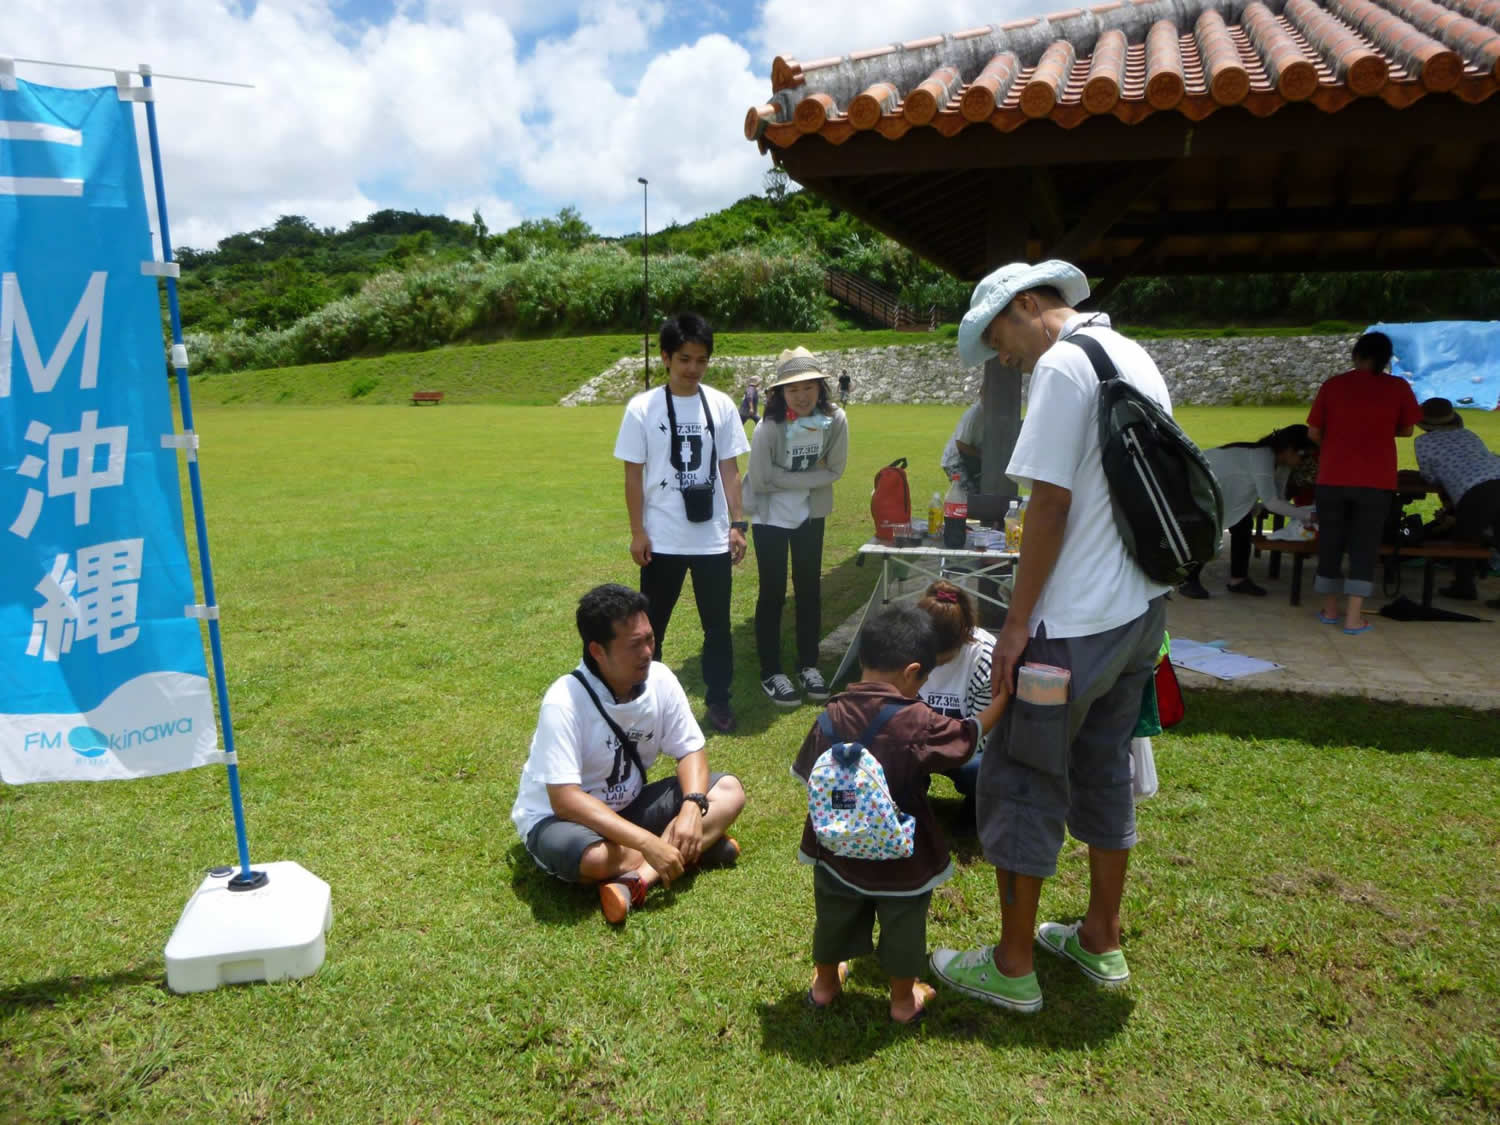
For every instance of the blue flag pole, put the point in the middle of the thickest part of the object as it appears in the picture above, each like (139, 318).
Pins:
(246, 879)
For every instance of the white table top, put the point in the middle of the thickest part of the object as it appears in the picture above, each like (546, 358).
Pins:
(934, 550)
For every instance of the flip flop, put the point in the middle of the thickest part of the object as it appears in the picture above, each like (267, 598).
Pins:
(926, 994)
(1326, 620)
(843, 980)
(615, 912)
(1365, 628)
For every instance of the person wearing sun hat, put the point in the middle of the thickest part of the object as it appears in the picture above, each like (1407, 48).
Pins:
(1467, 476)
(797, 453)
(1081, 603)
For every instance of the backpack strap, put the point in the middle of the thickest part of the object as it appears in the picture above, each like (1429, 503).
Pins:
(626, 748)
(871, 732)
(1104, 367)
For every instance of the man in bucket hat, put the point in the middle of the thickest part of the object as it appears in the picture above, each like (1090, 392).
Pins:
(1080, 603)
(1467, 476)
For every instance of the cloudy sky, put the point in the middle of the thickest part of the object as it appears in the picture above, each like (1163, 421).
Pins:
(516, 107)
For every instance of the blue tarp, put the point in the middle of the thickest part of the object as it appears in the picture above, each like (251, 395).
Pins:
(1454, 359)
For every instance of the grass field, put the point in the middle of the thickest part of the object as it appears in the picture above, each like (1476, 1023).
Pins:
(1309, 920)
(539, 372)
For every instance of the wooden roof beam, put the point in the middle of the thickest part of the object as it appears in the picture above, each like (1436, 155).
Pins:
(1109, 206)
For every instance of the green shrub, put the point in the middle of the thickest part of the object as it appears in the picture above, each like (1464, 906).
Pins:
(594, 289)
(363, 386)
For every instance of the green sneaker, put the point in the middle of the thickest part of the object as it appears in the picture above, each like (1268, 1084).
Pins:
(1108, 969)
(973, 972)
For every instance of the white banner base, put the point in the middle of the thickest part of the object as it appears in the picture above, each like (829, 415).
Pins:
(273, 932)
(159, 722)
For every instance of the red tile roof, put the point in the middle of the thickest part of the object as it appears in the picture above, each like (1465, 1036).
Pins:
(1133, 58)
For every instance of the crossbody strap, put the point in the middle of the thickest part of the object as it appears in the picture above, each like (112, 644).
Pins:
(626, 753)
(673, 455)
(1104, 367)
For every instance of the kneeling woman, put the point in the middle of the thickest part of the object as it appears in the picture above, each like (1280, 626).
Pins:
(1251, 472)
(959, 686)
(798, 451)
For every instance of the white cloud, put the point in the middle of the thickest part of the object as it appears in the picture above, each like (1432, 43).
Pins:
(805, 31)
(448, 105)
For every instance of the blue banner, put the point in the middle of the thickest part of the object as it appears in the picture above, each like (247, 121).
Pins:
(1454, 359)
(101, 669)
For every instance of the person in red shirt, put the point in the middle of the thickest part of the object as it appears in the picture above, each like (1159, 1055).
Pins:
(1354, 419)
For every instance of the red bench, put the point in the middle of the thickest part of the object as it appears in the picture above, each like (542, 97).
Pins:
(419, 397)
(1431, 553)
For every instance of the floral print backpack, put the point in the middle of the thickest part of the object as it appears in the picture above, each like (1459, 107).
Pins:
(848, 801)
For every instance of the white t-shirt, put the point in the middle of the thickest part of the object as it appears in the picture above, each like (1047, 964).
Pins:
(1250, 476)
(1095, 585)
(970, 431)
(573, 745)
(643, 441)
(961, 688)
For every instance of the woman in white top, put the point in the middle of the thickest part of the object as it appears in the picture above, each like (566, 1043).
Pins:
(959, 686)
(1251, 472)
(797, 453)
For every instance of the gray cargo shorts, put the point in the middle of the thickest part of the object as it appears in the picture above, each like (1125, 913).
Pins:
(1047, 766)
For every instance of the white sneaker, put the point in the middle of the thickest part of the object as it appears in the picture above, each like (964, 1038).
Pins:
(780, 691)
(813, 685)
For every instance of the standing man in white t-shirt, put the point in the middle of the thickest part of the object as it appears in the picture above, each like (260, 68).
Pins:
(1081, 603)
(679, 443)
(584, 809)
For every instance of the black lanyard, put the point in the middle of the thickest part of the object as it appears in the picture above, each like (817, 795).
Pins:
(626, 748)
(674, 453)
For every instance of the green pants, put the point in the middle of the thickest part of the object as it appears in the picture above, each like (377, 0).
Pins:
(846, 923)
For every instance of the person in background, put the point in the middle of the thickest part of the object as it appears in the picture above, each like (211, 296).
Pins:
(1355, 420)
(1250, 473)
(959, 686)
(1467, 476)
(680, 443)
(796, 455)
(844, 382)
(961, 454)
(750, 403)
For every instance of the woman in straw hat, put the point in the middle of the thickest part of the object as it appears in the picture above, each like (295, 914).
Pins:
(797, 453)
(1467, 476)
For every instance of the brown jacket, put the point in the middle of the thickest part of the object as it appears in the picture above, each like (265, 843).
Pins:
(917, 743)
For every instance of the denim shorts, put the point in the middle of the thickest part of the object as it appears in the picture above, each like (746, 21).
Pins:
(558, 845)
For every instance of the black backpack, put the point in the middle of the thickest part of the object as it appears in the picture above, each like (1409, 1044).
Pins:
(1167, 504)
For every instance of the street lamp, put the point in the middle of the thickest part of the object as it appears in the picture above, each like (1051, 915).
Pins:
(645, 282)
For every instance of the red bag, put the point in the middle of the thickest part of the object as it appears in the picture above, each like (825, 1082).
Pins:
(1169, 705)
(890, 502)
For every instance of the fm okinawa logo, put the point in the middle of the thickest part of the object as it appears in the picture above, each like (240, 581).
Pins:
(91, 742)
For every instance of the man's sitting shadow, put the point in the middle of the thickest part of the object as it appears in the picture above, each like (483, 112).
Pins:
(1077, 1016)
(556, 903)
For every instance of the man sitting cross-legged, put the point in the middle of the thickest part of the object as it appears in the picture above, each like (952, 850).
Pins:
(584, 810)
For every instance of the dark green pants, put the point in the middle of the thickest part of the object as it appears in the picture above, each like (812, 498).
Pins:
(846, 923)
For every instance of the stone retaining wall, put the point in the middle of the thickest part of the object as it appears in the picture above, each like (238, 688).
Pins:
(1199, 372)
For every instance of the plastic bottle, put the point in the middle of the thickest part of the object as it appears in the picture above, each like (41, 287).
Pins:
(935, 515)
(955, 515)
(1013, 526)
(1021, 523)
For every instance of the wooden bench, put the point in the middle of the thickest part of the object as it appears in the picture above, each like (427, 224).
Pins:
(419, 397)
(1431, 553)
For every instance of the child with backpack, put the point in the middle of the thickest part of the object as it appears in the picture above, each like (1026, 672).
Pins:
(870, 835)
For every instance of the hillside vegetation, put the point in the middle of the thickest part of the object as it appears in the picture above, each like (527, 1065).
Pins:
(294, 294)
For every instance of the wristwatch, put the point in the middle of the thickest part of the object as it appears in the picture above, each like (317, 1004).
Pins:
(699, 799)
(740, 525)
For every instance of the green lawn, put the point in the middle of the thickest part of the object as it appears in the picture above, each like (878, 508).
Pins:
(1309, 920)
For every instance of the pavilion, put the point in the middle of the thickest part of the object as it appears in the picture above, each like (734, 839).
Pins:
(1162, 137)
